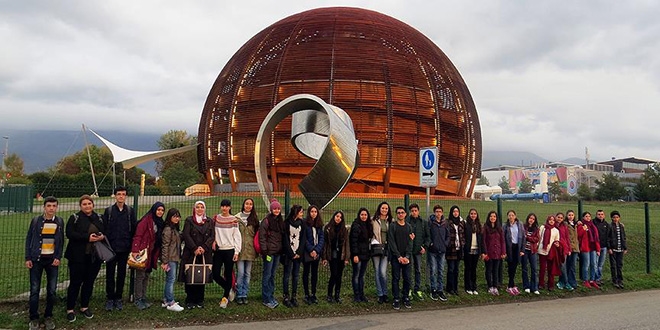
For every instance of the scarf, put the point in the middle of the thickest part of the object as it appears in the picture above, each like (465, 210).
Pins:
(546, 234)
(199, 219)
(593, 232)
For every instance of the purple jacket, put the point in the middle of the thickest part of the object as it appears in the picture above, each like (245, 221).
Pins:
(494, 242)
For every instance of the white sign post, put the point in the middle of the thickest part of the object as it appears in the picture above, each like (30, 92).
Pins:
(428, 172)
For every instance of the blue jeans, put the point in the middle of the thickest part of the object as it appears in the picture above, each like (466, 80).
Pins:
(380, 267)
(399, 270)
(244, 269)
(36, 271)
(358, 278)
(601, 262)
(530, 277)
(589, 263)
(436, 262)
(291, 270)
(170, 277)
(268, 278)
(570, 269)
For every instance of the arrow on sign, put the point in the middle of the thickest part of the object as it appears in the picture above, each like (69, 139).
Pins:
(428, 173)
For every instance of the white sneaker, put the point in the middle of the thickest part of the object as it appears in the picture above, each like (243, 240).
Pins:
(537, 292)
(224, 302)
(475, 292)
(232, 295)
(527, 291)
(163, 304)
(469, 292)
(174, 307)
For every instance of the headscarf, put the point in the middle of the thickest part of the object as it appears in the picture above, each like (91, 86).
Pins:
(454, 220)
(199, 219)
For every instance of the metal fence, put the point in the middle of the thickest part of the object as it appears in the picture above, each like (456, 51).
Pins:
(643, 257)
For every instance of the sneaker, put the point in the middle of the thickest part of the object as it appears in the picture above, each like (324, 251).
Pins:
(287, 303)
(294, 302)
(515, 290)
(239, 300)
(119, 304)
(528, 291)
(329, 299)
(510, 291)
(442, 296)
(594, 285)
(364, 299)
(569, 287)
(419, 295)
(406, 303)
(338, 300)
(271, 305)
(139, 303)
(71, 316)
(434, 296)
(560, 286)
(223, 302)
(109, 305)
(497, 292)
(386, 299)
(200, 305)
(396, 305)
(190, 306)
(163, 304)
(307, 300)
(146, 302)
(34, 325)
(232, 295)
(313, 299)
(49, 323)
(380, 299)
(88, 313)
(469, 292)
(174, 307)
(586, 284)
(475, 292)
(537, 292)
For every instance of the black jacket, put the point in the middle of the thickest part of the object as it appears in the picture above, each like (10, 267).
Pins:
(439, 235)
(603, 230)
(77, 231)
(120, 227)
(468, 239)
(611, 238)
(360, 239)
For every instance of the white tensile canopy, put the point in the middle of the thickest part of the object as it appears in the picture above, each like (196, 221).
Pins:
(131, 158)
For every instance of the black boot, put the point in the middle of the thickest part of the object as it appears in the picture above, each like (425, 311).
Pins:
(287, 301)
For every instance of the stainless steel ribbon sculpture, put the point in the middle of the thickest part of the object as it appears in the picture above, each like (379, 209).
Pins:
(319, 131)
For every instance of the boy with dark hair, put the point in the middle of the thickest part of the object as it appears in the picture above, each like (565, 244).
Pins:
(439, 240)
(43, 251)
(420, 244)
(603, 229)
(120, 223)
(616, 248)
(400, 242)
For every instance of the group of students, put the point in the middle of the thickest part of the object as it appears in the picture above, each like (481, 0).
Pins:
(402, 242)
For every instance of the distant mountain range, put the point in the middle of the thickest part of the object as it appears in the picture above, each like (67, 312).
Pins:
(42, 149)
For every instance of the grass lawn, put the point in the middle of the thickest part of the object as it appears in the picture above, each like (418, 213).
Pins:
(14, 279)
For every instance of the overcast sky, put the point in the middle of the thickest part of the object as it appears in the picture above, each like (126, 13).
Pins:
(547, 77)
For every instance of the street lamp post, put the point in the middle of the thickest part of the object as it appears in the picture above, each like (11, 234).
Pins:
(6, 152)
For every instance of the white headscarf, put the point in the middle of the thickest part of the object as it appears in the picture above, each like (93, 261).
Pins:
(199, 219)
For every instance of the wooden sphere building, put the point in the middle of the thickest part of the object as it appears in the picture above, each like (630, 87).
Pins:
(400, 90)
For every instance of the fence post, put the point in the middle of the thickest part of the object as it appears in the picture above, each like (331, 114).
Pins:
(287, 203)
(406, 201)
(499, 210)
(647, 230)
(131, 281)
(579, 214)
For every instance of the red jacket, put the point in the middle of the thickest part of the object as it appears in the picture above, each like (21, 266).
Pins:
(586, 241)
(564, 239)
(494, 244)
(145, 237)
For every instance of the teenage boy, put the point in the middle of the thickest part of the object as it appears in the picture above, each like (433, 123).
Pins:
(617, 247)
(420, 243)
(603, 230)
(400, 242)
(43, 251)
(120, 224)
(439, 238)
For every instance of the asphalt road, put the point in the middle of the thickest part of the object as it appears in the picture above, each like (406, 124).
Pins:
(632, 310)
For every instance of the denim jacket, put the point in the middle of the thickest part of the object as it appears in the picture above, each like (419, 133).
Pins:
(33, 239)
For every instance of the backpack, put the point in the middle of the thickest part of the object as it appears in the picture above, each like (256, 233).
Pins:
(257, 245)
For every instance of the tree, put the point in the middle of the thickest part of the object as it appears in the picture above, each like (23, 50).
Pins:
(525, 186)
(647, 188)
(79, 162)
(504, 184)
(609, 188)
(177, 171)
(14, 165)
(554, 188)
(584, 192)
(483, 181)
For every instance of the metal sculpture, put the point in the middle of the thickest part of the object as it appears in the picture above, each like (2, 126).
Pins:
(319, 131)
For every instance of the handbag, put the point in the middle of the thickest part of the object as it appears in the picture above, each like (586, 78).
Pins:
(139, 262)
(377, 249)
(104, 251)
(198, 274)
